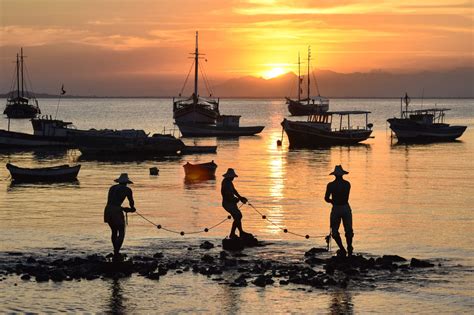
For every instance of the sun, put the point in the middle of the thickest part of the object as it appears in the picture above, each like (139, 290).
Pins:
(273, 73)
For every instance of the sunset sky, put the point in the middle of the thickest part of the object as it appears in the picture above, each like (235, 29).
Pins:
(106, 42)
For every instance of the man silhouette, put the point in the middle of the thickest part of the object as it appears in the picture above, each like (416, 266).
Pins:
(337, 194)
(113, 213)
(230, 198)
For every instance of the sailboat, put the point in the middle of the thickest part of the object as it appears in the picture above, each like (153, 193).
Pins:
(20, 105)
(195, 109)
(200, 117)
(309, 105)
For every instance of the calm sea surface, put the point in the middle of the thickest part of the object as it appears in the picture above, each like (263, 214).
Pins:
(409, 200)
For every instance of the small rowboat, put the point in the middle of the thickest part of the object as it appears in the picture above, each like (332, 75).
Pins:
(200, 171)
(61, 173)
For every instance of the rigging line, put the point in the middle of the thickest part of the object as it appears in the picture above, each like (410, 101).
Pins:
(29, 83)
(285, 230)
(206, 82)
(207, 79)
(316, 83)
(13, 79)
(186, 80)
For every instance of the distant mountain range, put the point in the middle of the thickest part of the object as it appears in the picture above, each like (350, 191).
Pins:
(455, 83)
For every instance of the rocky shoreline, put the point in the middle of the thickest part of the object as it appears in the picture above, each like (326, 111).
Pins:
(317, 269)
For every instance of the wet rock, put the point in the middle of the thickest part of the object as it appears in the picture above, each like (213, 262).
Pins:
(57, 275)
(315, 261)
(31, 260)
(26, 277)
(314, 251)
(223, 255)
(42, 277)
(90, 277)
(154, 276)
(232, 244)
(263, 280)
(207, 259)
(206, 245)
(14, 253)
(393, 258)
(418, 263)
(158, 255)
(284, 282)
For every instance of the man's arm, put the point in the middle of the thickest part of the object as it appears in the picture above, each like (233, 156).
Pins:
(130, 199)
(236, 193)
(327, 196)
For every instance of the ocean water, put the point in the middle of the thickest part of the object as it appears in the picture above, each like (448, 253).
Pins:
(409, 200)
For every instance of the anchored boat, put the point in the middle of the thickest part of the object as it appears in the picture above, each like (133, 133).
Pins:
(200, 117)
(59, 173)
(309, 105)
(317, 131)
(20, 103)
(200, 171)
(423, 125)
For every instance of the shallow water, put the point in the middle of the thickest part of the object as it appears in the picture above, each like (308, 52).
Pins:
(410, 200)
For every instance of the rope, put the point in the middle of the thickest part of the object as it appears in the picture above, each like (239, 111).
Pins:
(182, 233)
(285, 230)
(186, 81)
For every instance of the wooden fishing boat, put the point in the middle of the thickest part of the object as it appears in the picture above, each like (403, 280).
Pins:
(317, 131)
(423, 125)
(226, 126)
(125, 142)
(195, 109)
(200, 171)
(20, 104)
(309, 105)
(59, 173)
(47, 132)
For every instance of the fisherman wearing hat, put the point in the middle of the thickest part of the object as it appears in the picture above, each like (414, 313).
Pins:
(113, 213)
(337, 194)
(230, 198)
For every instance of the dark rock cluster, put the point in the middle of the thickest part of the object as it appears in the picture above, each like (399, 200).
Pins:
(317, 269)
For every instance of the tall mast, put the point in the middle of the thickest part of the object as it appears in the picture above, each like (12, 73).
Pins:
(196, 66)
(22, 85)
(309, 58)
(18, 76)
(299, 77)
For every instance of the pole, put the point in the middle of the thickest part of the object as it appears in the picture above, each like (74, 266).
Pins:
(299, 77)
(22, 84)
(196, 66)
(18, 76)
(309, 57)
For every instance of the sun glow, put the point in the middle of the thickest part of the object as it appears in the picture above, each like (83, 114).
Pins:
(273, 73)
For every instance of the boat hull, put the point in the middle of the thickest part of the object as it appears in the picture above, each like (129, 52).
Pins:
(203, 130)
(21, 111)
(14, 140)
(297, 108)
(90, 143)
(200, 171)
(408, 131)
(195, 114)
(303, 135)
(47, 174)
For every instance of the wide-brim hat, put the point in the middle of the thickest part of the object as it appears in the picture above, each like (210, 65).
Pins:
(338, 171)
(123, 179)
(230, 173)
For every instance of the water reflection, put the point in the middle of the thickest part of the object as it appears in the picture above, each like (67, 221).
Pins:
(18, 185)
(341, 302)
(200, 183)
(116, 303)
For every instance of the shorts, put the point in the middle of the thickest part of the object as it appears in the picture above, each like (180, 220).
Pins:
(114, 215)
(341, 213)
(233, 210)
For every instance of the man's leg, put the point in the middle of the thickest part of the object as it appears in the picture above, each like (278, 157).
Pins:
(347, 222)
(114, 236)
(335, 223)
(120, 237)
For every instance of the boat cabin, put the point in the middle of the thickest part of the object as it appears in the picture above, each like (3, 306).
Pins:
(228, 121)
(427, 116)
(325, 119)
(47, 126)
